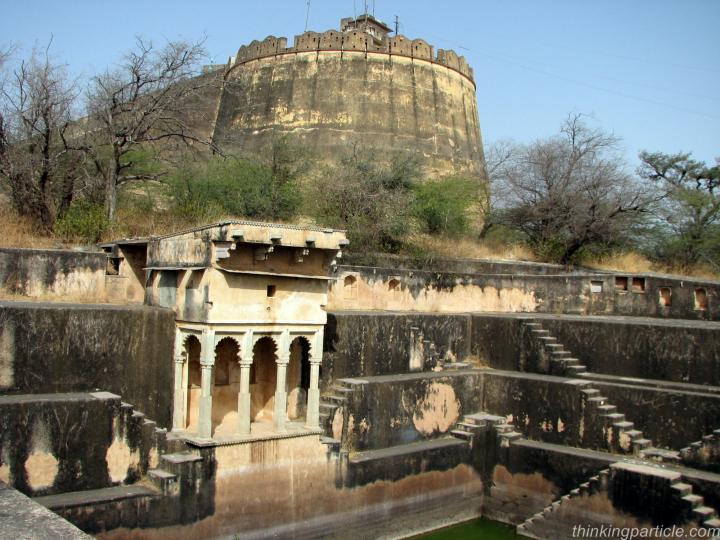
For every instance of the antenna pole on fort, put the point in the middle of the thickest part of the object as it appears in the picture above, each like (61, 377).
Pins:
(397, 24)
(373, 8)
(307, 14)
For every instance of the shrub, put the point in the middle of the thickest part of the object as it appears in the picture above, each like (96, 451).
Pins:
(371, 200)
(84, 221)
(442, 206)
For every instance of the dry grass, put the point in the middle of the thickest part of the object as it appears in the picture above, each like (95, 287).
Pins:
(467, 248)
(19, 231)
(636, 263)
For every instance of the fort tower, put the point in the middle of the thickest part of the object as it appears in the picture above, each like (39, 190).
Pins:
(361, 85)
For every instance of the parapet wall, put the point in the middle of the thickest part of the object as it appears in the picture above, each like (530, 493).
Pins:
(52, 272)
(357, 40)
(401, 289)
(50, 348)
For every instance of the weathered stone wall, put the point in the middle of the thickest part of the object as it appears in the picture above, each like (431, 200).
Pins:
(672, 351)
(47, 348)
(457, 265)
(552, 410)
(331, 98)
(396, 410)
(390, 289)
(402, 289)
(52, 272)
(363, 344)
(58, 443)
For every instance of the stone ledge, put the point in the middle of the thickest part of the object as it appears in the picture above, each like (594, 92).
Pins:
(291, 433)
(24, 518)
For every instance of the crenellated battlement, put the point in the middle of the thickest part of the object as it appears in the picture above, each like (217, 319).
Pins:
(355, 40)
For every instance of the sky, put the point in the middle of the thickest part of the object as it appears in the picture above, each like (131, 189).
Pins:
(646, 70)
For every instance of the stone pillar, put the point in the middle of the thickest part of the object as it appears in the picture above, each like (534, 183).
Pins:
(179, 384)
(313, 398)
(207, 362)
(283, 360)
(244, 408)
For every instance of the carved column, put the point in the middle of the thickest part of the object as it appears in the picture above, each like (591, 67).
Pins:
(244, 410)
(313, 398)
(283, 360)
(207, 361)
(179, 384)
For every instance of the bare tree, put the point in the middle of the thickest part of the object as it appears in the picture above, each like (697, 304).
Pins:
(569, 191)
(36, 101)
(148, 99)
(499, 156)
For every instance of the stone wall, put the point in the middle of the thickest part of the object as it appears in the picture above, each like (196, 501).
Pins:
(399, 288)
(672, 351)
(357, 40)
(330, 98)
(363, 344)
(52, 273)
(46, 348)
(396, 410)
(391, 289)
(58, 443)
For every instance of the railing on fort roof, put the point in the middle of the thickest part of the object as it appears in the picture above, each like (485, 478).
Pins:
(357, 41)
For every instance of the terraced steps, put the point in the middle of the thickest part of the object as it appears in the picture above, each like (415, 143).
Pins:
(561, 362)
(471, 424)
(703, 454)
(593, 485)
(336, 398)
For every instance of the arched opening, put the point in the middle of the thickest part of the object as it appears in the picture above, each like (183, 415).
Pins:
(350, 287)
(263, 377)
(298, 379)
(192, 350)
(701, 299)
(665, 296)
(226, 386)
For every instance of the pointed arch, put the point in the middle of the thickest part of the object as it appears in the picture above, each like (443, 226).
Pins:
(263, 378)
(192, 347)
(298, 378)
(226, 385)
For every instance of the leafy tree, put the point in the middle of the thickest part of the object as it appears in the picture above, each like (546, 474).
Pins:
(260, 187)
(570, 192)
(372, 200)
(442, 206)
(36, 101)
(689, 214)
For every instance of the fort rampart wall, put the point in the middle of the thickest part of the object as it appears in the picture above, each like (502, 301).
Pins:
(338, 90)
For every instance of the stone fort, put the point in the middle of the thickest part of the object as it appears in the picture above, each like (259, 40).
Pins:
(254, 380)
(356, 86)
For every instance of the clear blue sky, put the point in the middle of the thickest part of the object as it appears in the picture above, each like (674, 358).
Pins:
(647, 70)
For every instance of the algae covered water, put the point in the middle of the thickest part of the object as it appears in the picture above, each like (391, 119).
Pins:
(482, 529)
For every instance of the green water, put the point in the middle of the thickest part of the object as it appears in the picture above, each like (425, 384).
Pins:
(482, 529)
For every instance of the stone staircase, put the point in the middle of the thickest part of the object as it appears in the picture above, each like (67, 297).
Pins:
(612, 431)
(554, 359)
(703, 454)
(471, 424)
(333, 403)
(595, 484)
(173, 468)
(694, 506)
(689, 507)
(618, 433)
